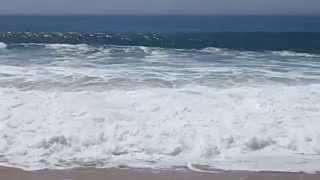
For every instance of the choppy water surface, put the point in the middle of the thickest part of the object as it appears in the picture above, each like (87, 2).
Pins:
(65, 105)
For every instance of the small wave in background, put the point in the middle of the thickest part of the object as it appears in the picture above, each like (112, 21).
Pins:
(304, 42)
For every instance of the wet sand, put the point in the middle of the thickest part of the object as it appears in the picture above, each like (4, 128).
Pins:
(146, 174)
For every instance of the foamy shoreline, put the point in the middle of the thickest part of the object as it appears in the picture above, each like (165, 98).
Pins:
(41, 128)
(66, 106)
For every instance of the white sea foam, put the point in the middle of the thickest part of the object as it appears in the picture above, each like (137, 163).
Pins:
(76, 48)
(3, 45)
(78, 105)
(262, 128)
(212, 50)
(294, 54)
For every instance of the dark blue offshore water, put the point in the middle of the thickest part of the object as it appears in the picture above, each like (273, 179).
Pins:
(135, 23)
(254, 33)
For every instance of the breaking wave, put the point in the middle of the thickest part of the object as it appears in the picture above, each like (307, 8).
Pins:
(100, 105)
(221, 128)
(3, 45)
(295, 54)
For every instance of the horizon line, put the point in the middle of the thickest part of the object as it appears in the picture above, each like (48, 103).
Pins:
(154, 14)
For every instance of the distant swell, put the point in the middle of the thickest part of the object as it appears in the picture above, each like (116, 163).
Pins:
(301, 42)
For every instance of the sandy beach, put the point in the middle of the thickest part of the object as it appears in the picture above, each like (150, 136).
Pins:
(145, 174)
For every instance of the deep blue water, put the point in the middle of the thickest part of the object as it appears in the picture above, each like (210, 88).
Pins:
(160, 23)
(254, 33)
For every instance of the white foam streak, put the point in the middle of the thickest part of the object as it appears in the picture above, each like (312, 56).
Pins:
(61, 46)
(235, 128)
(3, 45)
(212, 49)
(295, 54)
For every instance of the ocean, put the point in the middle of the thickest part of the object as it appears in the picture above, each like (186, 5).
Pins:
(212, 92)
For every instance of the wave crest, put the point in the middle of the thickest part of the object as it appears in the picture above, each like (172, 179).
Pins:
(294, 54)
(3, 45)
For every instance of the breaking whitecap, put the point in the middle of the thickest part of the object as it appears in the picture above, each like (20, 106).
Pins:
(3, 45)
(81, 105)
